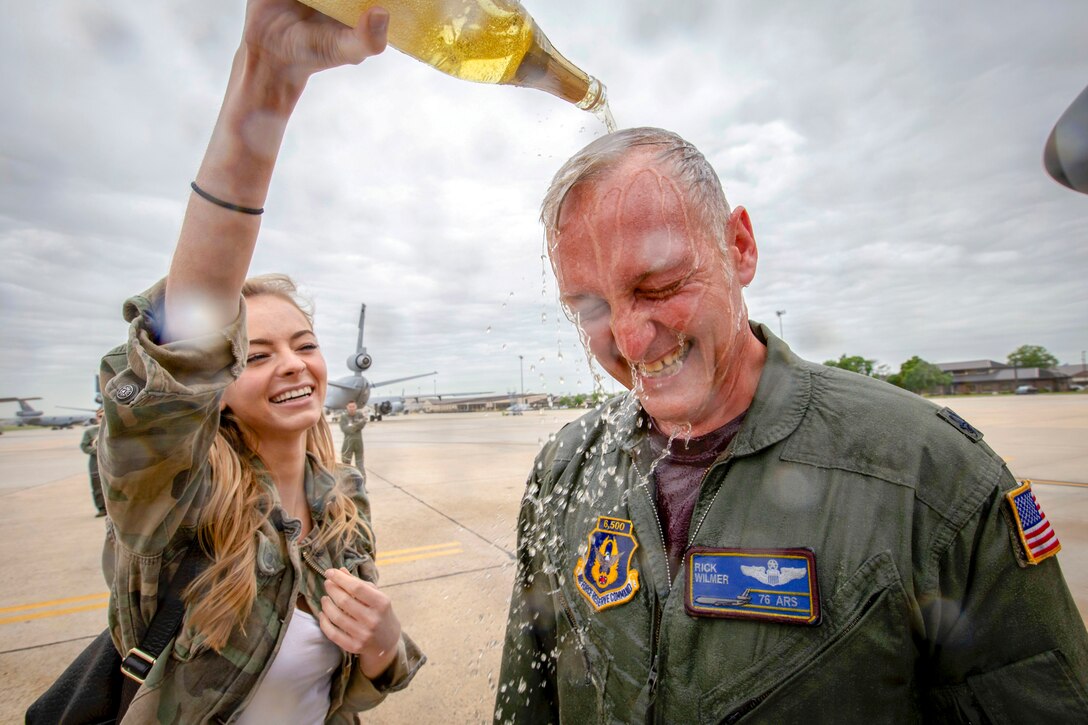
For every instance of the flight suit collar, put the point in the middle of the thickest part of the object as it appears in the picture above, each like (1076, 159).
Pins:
(781, 400)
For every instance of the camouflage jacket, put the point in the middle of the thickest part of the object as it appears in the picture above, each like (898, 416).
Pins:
(162, 412)
(917, 605)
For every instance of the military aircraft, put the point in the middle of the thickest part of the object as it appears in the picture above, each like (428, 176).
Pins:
(357, 388)
(28, 416)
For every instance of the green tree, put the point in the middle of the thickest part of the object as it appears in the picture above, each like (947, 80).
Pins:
(1032, 356)
(917, 375)
(853, 363)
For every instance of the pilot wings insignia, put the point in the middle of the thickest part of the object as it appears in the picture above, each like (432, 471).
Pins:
(772, 575)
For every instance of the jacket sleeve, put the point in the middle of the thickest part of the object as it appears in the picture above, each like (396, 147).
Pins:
(527, 677)
(162, 413)
(363, 693)
(1006, 639)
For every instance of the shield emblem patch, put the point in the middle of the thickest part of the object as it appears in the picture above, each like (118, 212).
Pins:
(605, 576)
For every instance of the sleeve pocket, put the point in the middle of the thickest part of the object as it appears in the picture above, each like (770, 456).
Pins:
(1040, 688)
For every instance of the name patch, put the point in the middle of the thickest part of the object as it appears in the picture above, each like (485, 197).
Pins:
(605, 576)
(772, 584)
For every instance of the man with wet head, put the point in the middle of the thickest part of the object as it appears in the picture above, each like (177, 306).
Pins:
(745, 534)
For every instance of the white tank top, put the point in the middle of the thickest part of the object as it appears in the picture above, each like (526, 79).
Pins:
(296, 687)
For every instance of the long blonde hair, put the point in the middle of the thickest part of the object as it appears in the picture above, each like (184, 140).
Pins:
(222, 596)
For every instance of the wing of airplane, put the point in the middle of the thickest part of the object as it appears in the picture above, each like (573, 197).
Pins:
(401, 380)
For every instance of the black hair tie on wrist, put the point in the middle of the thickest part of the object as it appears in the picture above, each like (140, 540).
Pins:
(225, 204)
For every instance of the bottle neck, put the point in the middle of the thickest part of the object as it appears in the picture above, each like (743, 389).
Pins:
(545, 69)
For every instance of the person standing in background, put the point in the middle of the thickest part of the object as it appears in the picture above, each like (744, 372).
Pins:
(352, 423)
(89, 445)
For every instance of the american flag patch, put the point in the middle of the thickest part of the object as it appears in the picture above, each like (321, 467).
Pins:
(1036, 535)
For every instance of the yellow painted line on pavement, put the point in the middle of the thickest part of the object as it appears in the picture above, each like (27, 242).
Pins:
(1059, 483)
(417, 557)
(53, 603)
(392, 557)
(412, 550)
(54, 612)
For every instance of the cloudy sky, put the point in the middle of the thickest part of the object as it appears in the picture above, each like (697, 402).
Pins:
(888, 152)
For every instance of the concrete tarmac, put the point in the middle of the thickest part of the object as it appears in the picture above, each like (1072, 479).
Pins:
(445, 492)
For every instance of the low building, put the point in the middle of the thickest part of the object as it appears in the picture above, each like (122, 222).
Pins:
(1078, 374)
(488, 403)
(990, 376)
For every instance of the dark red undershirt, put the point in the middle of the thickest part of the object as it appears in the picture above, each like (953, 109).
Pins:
(678, 477)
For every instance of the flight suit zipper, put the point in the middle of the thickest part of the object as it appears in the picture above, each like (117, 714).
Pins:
(654, 675)
(655, 628)
(725, 463)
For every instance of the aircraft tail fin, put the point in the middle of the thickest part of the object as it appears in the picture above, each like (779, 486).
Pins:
(22, 404)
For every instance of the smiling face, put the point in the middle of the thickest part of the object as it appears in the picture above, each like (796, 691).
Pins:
(279, 395)
(658, 302)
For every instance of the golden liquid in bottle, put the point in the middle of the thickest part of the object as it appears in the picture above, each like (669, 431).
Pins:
(486, 41)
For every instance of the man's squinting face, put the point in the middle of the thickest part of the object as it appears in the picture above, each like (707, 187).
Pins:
(281, 392)
(650, 289)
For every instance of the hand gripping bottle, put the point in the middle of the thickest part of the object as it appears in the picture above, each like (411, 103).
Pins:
(487, 41)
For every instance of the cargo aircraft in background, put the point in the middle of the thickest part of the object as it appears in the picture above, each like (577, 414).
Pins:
(356, 387)
(26, 415)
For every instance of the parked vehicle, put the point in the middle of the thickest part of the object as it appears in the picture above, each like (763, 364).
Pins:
(1025, 390)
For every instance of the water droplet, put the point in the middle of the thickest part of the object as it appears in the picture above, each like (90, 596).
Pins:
(488, 330)
(504, 346)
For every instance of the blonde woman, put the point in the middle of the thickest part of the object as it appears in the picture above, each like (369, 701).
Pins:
(215, 438)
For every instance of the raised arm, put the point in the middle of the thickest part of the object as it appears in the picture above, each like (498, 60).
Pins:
(186, 345)
(283, 44)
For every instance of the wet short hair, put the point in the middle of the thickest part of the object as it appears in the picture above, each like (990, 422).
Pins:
(599, 158)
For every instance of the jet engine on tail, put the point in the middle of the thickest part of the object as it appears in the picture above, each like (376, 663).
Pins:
(357, 388)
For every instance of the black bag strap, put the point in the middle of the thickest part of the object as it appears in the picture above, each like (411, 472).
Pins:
(137, 664)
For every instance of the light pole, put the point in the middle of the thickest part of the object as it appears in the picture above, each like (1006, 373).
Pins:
(521, 360)
(780, 313)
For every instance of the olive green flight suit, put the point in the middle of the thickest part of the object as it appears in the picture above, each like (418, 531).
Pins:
(352, 447)
(89, 445)
(928, 614)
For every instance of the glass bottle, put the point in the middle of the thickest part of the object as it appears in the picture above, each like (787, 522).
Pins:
(487, 41)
